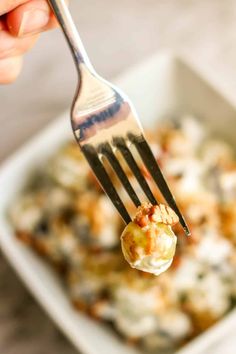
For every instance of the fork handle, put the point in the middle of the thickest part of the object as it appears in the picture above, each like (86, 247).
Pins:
(71, 33)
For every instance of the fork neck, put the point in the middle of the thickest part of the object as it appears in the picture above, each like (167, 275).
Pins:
(71, 33)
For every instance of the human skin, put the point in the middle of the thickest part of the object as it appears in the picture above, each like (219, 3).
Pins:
(21, 22)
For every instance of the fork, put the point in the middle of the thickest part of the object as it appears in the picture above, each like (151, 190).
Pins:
(105, 121)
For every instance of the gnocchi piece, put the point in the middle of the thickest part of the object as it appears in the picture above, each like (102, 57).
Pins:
(148, 242)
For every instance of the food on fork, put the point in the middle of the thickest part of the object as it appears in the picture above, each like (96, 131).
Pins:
(148, 242)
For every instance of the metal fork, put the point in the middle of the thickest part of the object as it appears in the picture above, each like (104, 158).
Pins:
(104, 121)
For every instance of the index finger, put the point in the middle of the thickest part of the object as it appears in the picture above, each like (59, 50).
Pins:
(9, 5)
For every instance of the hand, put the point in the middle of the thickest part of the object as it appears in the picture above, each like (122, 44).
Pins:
(21, 22)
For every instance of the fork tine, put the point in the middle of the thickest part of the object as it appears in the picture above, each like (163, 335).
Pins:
(121, 145)
(106, 150)
(101, 174)
(152, 165)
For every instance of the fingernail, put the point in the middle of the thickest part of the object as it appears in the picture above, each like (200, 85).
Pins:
(32, 21)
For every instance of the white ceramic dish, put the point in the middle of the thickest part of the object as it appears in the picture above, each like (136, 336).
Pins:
(160, 87)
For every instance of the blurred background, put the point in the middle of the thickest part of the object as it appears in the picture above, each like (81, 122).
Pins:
(117, 35)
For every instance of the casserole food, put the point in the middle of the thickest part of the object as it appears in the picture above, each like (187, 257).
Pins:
(63, 214)
(184, 92)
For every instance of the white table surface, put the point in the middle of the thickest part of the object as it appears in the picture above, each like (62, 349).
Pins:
(117, 35)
